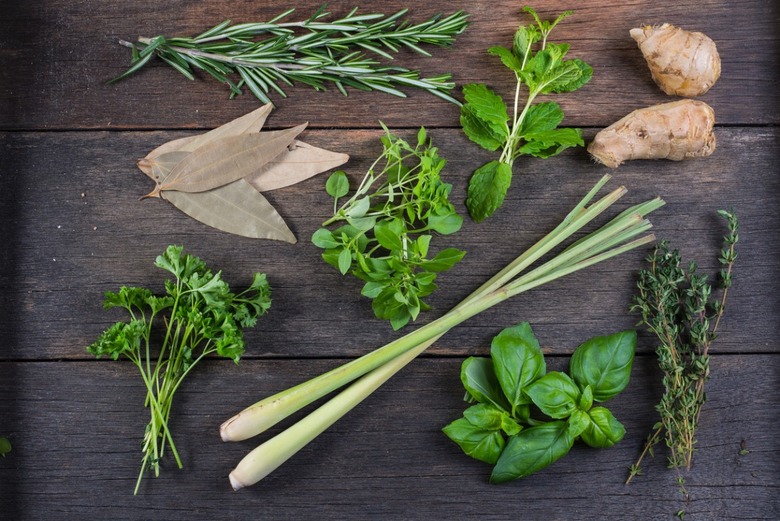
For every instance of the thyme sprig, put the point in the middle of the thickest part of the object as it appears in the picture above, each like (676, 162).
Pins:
(678, 306)
(264, 56)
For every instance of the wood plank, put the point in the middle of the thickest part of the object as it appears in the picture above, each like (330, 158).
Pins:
(75, 428)
(74, 228)
(58, 56)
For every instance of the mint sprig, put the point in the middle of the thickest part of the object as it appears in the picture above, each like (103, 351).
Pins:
(532, 129)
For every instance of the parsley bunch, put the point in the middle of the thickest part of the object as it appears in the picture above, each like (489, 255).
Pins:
(389, 223)
(532, 129)
(199, 316)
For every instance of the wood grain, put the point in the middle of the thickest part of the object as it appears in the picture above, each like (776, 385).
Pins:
(75, 427)
(74, 228)
(58, 56)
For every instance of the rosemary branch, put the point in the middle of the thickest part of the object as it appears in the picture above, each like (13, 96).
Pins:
(677, 305)
(264, 56)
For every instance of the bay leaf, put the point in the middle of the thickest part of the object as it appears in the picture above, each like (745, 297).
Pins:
(248, 123)
(234, 208)
(299, 162)
(226, 160)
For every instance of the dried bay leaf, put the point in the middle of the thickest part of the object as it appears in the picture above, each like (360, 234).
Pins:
(299, 162)
(248, 123)
(234, 208)
(226, 160)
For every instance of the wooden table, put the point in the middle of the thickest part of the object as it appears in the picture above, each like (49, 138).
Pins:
(73, 227)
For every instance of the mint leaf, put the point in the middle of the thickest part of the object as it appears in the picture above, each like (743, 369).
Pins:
(540, 118)
(488, 106)
(480, 132)
(523, 40)
(586, 73)
(558, 77)
(509, 60)
(551, 142)
(487, 189)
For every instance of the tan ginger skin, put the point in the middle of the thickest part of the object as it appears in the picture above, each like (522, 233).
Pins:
(677, 130)
(683, 63)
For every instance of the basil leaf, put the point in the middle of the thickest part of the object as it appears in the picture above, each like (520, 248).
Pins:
(443, 260)
(478, 443)
(488, 106)
(603, 430)
(604, 363)
(337, 184)
(517, 361)
(577, 423)
(345, 261)
(388, 233)
(532, 450)
(445, 224)
(487, 189)
(323, 238)
(480, 381)
(479, 131)
(485, 416)
(555, 394)
(586, 400)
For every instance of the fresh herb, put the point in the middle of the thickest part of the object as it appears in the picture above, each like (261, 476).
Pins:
(390, 221)
(623, 233)
(532, 128)
(265, 56)
(217, 177)
(679, 307)
(5, 446)
(200, 317)
(501, 430)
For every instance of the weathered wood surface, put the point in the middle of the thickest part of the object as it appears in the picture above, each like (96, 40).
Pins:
(76, 428)
(72, 228)
(58, 56)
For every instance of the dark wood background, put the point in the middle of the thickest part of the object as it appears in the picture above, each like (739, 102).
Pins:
(72, 227)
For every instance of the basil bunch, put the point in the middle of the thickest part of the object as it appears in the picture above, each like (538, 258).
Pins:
(500, 429)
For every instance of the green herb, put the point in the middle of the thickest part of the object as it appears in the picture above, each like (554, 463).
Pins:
(390, 221)
(5, 446)
(266, 56)
(532, 128)
(500, 429)
(621, 234)
(678, 306)
(199, 316)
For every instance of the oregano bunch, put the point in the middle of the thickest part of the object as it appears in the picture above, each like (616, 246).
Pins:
(503, 430)
(532, 129)
(388, 225)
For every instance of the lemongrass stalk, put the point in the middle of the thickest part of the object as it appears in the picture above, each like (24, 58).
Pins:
(266, 413)
(270, 455)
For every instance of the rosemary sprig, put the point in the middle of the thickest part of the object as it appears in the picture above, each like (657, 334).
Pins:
(677, 305)
(265, 56)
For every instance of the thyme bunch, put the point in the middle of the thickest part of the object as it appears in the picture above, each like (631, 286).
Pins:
(677, 305)
(264, 56)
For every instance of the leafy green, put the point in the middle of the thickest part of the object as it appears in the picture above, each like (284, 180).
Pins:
(515, 377)
(5, 446)
(391, 219)
(604, 364)
(199, 316)
(541, 68)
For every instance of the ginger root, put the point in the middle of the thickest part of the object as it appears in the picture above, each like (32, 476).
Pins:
(677, 130)
(683, 63)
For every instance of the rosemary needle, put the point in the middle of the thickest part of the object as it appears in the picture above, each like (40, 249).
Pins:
(266, 56)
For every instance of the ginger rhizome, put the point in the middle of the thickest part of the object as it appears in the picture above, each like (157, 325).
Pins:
(677, 130)
(683, 63)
